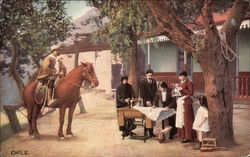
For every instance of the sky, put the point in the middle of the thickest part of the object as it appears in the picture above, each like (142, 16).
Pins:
(76, 9)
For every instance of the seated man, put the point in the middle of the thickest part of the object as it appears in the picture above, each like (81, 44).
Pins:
(164, 99)
(49, 72)
(124, 93)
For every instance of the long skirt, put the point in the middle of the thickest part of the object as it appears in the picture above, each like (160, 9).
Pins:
(187, 132)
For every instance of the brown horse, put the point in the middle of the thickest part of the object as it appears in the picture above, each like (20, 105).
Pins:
(67, 92)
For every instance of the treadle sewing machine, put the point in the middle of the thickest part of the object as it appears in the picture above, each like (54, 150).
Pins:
(130, 113)
(127, 112)
(148, 116)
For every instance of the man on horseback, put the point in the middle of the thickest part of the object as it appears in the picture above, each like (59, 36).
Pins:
(51, 68)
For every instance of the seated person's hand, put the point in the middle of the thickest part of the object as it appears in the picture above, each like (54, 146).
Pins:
(148, 103)
(174, 85)
(167, 107)
(127, 100)
(57, 74)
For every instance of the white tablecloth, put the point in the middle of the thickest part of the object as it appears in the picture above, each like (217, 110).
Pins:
(155, 114)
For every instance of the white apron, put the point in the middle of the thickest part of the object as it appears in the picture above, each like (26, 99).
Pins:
(179, 123)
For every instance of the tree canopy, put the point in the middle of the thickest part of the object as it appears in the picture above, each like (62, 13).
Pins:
(127, 20)
(33, 26)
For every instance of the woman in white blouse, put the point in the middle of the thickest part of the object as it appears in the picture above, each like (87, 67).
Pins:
(164, 99)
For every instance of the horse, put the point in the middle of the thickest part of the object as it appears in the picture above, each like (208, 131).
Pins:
(67, 92)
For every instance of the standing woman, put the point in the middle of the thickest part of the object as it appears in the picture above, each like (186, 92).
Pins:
(184, 112)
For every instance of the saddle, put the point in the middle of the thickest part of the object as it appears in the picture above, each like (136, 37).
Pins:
(41, 92)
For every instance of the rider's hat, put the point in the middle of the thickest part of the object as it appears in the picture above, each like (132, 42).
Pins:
(54, 47)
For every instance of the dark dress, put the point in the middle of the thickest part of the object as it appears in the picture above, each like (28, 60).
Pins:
(187, 132)
(123, 92)
(171, 103)
(148, 90)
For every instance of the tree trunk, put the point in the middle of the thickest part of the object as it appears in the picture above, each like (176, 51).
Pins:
(76, 59)
(11, 114)
(77, 54)
(220, 104)
(134, 74)
(81, 106)
(36, 61)
(13, 67)
(216, 74)
(215, 67)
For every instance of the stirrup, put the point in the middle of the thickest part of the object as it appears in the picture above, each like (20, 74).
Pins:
(52, 103)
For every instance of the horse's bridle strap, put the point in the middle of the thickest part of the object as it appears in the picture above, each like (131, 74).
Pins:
(87, 74)
(74, 83)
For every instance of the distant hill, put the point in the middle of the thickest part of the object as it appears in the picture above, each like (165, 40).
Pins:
(82, 27)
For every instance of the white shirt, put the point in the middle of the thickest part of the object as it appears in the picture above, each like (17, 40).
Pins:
(164, 96)
(149, 80)
(182, 81)
(201, 114)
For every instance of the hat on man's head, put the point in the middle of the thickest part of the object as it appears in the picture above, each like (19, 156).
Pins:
(183, 73)
(54, 47)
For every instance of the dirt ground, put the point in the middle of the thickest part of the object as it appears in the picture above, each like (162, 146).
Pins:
(97, 135)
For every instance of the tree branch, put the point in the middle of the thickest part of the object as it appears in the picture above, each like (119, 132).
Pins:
(154, 32)
(171, 25)
(209, 24)
(235, 18)
(36, 61)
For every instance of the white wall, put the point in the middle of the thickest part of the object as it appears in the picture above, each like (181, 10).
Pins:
(244, 50)
(162, 56)
(102, 66)
(196, 66)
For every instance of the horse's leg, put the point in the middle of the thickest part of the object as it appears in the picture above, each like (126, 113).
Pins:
(30, 120)
(36, 110)
(70, 118)
(62, 114)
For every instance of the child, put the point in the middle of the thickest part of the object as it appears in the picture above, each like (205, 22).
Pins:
(201, 124)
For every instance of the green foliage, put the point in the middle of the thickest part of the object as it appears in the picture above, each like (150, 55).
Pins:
(127, 19)
(33, 25)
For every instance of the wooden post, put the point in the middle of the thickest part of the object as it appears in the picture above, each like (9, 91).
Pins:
(11, 114)
(76, 54)
(149, 65)
(185, 61)
(81, 105)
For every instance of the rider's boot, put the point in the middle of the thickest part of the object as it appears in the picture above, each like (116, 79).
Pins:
(51, 102)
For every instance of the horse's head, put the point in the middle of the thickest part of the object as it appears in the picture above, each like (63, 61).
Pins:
(89, 74)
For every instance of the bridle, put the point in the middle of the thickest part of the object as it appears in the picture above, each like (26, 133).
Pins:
(85, 73)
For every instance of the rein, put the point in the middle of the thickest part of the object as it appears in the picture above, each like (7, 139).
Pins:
(74, 83)
(85, 72)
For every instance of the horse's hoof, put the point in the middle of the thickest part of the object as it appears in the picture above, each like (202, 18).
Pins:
(61, 138)
(70, 135)
(32, 136)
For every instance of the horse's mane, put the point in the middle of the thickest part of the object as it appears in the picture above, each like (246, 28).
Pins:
(74, 70)
(80, 67)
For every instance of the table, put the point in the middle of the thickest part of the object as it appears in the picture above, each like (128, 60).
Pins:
(131, 113)
(126, 112)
